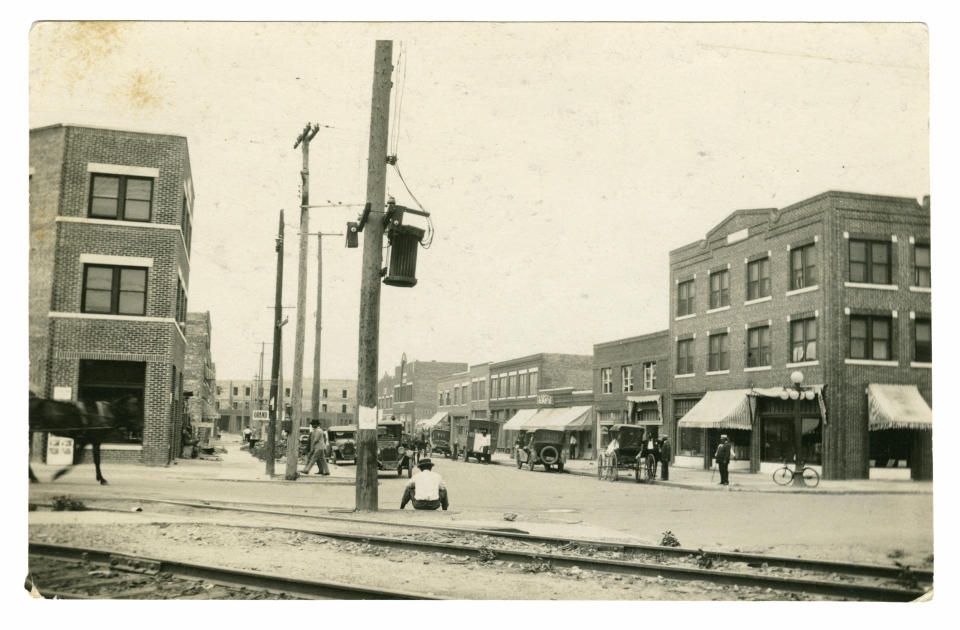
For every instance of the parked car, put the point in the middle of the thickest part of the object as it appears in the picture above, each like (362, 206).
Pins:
(440, 440)
(342, 443)
(392, 451)
(544, 447)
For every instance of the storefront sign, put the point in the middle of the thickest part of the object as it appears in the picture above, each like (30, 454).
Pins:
(544, 399)
(63, 393)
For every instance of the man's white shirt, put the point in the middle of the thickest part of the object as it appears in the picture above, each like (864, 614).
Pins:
(426, 484)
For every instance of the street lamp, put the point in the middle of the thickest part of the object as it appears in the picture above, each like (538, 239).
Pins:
(798, 393)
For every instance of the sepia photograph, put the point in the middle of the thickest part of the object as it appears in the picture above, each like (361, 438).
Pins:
(526, 311)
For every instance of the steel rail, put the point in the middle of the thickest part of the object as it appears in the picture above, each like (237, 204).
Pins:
(806, 564)
(226, 576)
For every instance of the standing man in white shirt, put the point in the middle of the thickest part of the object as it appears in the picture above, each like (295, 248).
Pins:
(481, 444)
(426, 489)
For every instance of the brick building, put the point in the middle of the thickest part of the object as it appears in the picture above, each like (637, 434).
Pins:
(385, 396)
(110, 227)
(461, 396)
(415, 389)
(237, 399)
(629, 384)
(200, 376)
(836, 287)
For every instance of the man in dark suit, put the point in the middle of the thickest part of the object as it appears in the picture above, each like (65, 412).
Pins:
(723, 460)
(666, 452)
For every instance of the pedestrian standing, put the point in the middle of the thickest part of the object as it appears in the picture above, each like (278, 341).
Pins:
(318, 450)
(573, 446)
(666, 452)
(481, 445)
(246, 435)
(723, 460)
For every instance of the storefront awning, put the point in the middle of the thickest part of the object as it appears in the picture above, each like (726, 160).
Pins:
(519, 420)
(435, 419)
(897, 407)
(720, 409)
(634, 401)
(562, 419)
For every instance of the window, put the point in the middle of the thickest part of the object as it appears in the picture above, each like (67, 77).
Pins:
(121, 197)
(922, 345)
(448, 397)
(246, 405)
(803, 267)
(606, 380)
(343, 409)
(534, 388)
(512, 386)
(921, 265)
(870, 261)
(720, 289)
(481, 390)
(685, 356)
(758, 346)
(803, 340)
(494, 389)
(324, 393)
(719, 358)
(343, 394)
(685, 295)
(286, 392)
(440, 398)
(758, 279)
(235, 391)
(870, 337)
(236, 405)
(219, 392)
(504, 392)
(185, 223)
(324, 407)
(246, 391)
(626, 378)
(181, 314)
(650, 375)
(114, 290)
(523, 385)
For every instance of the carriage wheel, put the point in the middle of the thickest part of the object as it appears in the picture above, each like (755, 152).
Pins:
(651, 468)
(600, 465)
(636, 474)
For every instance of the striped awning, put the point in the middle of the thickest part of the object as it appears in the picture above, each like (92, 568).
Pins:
(562, 419)
(719, 409)
(897, 407)
(435, 419)
(634, 401)
(519, 420)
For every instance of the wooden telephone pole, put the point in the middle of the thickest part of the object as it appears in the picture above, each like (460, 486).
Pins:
(366, 480)
(276, 402)
(303, 140)
(315, 406)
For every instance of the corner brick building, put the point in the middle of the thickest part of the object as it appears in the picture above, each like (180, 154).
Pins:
(110, 225)
(836, 287)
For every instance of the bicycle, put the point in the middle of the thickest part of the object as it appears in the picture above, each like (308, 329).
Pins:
(785, 476)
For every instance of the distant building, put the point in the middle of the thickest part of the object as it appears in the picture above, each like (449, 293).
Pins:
(415, 389)
(238, 399)
(836, 287)
(110, 229)
(200, 376)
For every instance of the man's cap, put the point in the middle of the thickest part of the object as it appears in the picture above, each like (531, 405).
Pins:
(425, 462)
(314, 423)
(723, 437)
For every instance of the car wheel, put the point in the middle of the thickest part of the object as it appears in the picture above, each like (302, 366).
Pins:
(409, 471)
(549, 454)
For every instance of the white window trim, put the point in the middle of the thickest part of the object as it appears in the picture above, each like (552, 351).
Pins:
(920, 289)
(765, 298)
(719, 309)
(123, 169)
(867, 285)
(119, 261)
(690, 375)
(871, 362)
(718, 372)
(677, 319)
(921, 364)
(759, 368)
(813, 287)
(803, 363)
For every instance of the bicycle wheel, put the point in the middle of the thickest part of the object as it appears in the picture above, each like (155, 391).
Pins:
(810, 477)
(782, 476)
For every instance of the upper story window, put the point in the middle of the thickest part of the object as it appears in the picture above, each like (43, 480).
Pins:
(720, 289)
(219, 392)
(185, 222)
(685, 356)
(235, 391)
(512, 386)
(343, 393)
(481, 390)
(758, 279)
(719, 358)
(650, 375)
(121, 197)
(534, 386)
(870, 337)
(523, 384)
(803, 266)
(922, 344)
(246, 391)
(870, 261)
(803, 340)
(343, 409)
(606, 380)
(504, 392)
(325, 393)
(181, 314)
(440, 398)
(758, 346)
(921, 265)
(323, 407)
(494, 387)
(626, 378)
(448, 397)
(286, 392)
(114, 290)
(685, 296)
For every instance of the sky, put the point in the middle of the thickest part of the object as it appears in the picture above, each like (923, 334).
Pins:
(560, 162)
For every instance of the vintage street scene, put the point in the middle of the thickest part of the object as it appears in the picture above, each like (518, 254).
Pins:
(480, 311)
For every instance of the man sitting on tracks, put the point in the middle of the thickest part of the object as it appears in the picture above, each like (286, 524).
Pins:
(426, 489)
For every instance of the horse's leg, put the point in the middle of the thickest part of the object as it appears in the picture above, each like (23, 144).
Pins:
(96, 463)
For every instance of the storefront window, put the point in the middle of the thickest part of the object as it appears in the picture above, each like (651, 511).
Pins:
(690, 442)
(779, 441)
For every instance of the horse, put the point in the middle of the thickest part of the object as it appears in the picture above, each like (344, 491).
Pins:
(72, 420)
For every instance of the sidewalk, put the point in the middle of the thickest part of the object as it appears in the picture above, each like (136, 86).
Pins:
(699, 479)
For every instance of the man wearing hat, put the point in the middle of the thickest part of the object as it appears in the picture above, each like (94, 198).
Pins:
(723, 460)
(318, 450)
(666, 454)
(426, 489)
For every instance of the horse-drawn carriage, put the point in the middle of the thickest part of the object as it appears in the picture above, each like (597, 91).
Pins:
(636, 452)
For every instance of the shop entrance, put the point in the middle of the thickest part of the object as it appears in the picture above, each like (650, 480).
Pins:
(777, 421)
(109, 380)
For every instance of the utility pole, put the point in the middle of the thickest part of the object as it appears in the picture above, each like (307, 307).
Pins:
(277, 403)
(303, 140)
(315, 406)
(366, 479)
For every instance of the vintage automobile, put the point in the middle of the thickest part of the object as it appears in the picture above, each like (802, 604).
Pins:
(392, 451)
(304, 440)
(636, 453)
(440, 442)
(542, 446)
(463, 443)
(342, 443)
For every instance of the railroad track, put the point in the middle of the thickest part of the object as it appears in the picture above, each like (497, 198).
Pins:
(798, 575)
(62, 572)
